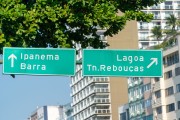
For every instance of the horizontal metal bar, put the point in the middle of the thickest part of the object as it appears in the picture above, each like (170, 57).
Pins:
(77, 62)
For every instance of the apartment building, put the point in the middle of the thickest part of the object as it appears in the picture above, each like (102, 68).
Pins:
(98, 98)
(166, 91)
(157, 98)
(161, 12)
(140, 97)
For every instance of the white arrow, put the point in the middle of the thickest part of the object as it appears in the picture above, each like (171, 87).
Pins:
(154, 60)
(12, 57)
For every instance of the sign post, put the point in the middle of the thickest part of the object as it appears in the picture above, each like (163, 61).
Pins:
(39, 61)
(129, 63)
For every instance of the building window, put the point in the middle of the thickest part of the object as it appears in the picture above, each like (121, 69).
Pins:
(178, 87)
(157, 14)
(143, 25)
(171, 59)
(168, 5)
(170, 107)
(123, 116)
(169, 91)
(147, 87)
(156, 79)
(178, 104)
(158, 94)
(148, 102)
(177, 71)
(149, 117)
(159, 110)
(168, 74)
(143, 36)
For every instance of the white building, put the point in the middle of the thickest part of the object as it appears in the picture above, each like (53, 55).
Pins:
(47, 113)
(160, 12)
(52, 113)
(98, 98)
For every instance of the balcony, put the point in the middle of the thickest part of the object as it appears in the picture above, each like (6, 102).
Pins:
(102, 100)
(143, 28)
(156, 86)
(132, 114)
(101, 80)
(168, 7)
(157, 17)
(156, 103)
(138, 82)
(101, 90)
(131, 99)
(140, 96)
(102, 111)
(155, 7)
(131, 85)
(140, 112)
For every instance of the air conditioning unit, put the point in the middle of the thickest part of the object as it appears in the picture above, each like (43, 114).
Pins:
(136, 82)
(138, 112)
(132, 114)
(138, 96)
(131, 99)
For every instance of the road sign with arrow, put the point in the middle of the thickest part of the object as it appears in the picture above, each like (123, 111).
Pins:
(39, 61)
(136, 63)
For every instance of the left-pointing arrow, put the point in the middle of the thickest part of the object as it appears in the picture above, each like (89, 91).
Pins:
(12, 57)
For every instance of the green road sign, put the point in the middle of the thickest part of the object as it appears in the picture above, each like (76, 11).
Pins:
(129, 63)
(39, 61)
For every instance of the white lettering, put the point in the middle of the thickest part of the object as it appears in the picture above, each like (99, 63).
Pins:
(141, 68)
(89, 67)
(56, 57)
(39, 57)
(114, 68)
(102, 68)
(25, 66)
(43, 57)
(129, 59)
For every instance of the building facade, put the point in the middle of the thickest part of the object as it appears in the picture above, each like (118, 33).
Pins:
(161, 12)
(139, 91)
(124, 112)
(98, 98)
(157, 98)
(166, 91)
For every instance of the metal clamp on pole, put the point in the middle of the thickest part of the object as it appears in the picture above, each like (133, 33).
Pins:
(12, 75)
(1, 61)
(78, 62)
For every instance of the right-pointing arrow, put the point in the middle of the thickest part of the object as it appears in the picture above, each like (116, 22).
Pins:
(154, 61)
(12, 57)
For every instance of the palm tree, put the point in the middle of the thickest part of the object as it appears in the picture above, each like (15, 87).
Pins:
(157, 33)
(171, 24)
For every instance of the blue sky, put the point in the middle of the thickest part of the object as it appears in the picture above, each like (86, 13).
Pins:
(20, 96)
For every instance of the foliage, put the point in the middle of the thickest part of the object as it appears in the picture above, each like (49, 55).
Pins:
(60, 23)
(165, 44)
(157, 32)
(172, 23)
